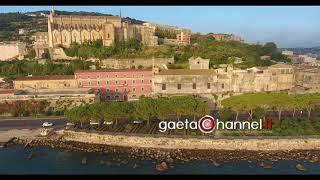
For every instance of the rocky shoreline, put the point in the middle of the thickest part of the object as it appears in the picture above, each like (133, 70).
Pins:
(165, 158)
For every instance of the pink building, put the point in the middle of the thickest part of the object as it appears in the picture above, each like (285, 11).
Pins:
(183, 38)
(128, 84)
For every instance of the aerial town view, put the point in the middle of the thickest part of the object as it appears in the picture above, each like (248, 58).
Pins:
(133, 90)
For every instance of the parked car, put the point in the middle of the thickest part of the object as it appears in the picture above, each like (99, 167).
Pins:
(137, 122)
(108, 122)
(70, 124)
(47, 124)
(94, 123)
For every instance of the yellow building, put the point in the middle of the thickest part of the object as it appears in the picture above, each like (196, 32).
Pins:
(45, 82)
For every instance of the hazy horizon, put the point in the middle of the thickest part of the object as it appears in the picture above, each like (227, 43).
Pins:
(287, 26)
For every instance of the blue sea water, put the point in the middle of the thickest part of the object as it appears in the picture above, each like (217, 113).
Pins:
(14, 159)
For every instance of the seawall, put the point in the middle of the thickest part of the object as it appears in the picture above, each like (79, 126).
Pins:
(253, 144)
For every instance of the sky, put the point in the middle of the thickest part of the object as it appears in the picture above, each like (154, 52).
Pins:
(287, 26)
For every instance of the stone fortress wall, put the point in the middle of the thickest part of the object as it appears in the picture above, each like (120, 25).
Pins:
(234, 143)
(12, 50)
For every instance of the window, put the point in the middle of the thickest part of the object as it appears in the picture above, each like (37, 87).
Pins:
(98, 83)
(134, 89)
(150, 81)
(108, 35)
(65, 38)
(208, 85)
(88, 77)
(125, 81)
(80, 83)
(179, 86)
(222, 86)
(89, 83)
(164, 86)
(116, 82)
(133, 81)
(65, 84)
(142, 89)
(142, 81)
(108, 90)
(117, 90)
(107, 82)
(194, 86)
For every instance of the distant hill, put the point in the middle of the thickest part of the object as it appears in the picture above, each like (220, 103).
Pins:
(314, 50)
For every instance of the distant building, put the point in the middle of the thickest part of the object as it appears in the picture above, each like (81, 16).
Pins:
(22, 31)
(45, 82)
(128, 84)
(198, 63)
(40, 44)
(183, 38)
(287, 53)
(265, 58)
(12, 50)
(224, 37)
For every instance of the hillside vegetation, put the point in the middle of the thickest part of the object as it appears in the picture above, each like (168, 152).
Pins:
(218, 52)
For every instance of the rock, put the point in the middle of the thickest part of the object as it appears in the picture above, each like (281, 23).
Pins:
(170, 160)
(300, 167)
(215, 163)
(84, 161)
(265, 165)
(101, 162)
(135, 166)
(30, 156)
(162, 167)
(108, 163)
(124, 162)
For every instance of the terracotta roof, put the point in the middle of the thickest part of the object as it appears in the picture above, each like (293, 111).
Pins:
(113, 70)
(34, 78)
(7, 91)
(188, 72)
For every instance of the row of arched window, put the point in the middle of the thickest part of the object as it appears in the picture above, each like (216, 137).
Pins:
(76, 26)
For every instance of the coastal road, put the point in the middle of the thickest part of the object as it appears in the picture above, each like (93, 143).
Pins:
(30, 123)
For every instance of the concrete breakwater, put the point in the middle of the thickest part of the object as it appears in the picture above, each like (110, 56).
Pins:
(250, 144)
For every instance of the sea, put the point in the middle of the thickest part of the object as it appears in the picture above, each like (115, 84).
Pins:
(15, 159)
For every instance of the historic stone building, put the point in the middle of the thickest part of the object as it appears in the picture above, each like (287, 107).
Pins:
(40, 44)
(279, 77)
(126, 84)
(198, 63)
(136, 63)
(12, 50)
(307, 80)
(65, 29)
(45, 82)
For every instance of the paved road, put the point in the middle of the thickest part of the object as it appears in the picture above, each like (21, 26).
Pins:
(30, 124)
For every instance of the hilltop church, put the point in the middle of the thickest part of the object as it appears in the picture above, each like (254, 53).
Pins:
(65, 29)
